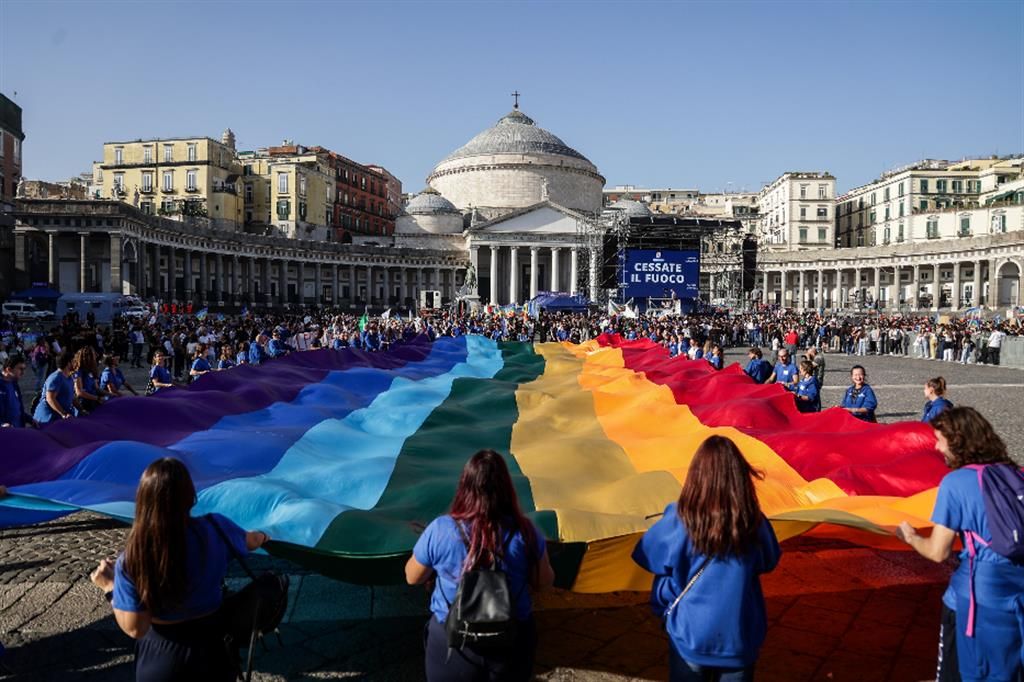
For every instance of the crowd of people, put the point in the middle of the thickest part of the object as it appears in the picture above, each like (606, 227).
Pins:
(706, 552)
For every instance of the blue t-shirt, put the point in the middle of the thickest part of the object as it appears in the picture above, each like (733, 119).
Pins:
(224, 363)
(715, 361)
(759, 370)
(441, 548)
(64, 387)
(206, 561)
(865, 397)
(109, 377)
(785, 373)
(201, 365)
(256, 353)
(11, 409)
(808, 387)
(160, 373)
(933, 408)
(722, 620)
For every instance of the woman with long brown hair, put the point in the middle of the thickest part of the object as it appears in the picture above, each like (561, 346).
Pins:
(485, 528)
(166, 586)
(707, 553)
(983, 607)
(87, 380)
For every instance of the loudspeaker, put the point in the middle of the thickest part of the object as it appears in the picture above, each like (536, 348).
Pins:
(749, 263)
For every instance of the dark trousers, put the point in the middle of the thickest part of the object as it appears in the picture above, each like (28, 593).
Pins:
(681, 671)
(464, 665)
(192, 650)
(993, 356)
(948, 667)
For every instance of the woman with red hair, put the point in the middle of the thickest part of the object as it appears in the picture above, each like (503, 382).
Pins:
(484, 528)
(707, 554)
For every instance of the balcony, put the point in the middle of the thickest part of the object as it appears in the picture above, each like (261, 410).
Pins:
(193, 189)
(147, 190)
(224, 189)
(167, 190)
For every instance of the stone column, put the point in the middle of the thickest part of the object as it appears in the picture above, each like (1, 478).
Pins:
(936, 287)
(555, 255)
(764, 286)
(513, 280)
(218, 284)
(878, 284)
(265, 276)
(858, 274)
(318, 284)
(534, 266)
(954, 303)
(282, 281)
(116, 286)
(819, 302)
(234, 280)
(204, 277)
(419, 287)
(53, 271)
(140, 270)
(352, 292)
(802, 289)
(334, 285)
(437, 282)
(837, 290)
(187, 266)
(915, 287)
(976, 294)
(83, 243)
(573, 269)
(594, 276)
(370, 288)
(494, 275)
(894, 296)
(387, 285)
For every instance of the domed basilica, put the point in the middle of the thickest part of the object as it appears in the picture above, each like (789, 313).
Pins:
(513, 196)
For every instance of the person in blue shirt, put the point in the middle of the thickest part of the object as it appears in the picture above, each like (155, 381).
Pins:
(159, 376)
(935, 392)
(88, 395)
(982, 625)
(112, 378)
(277, 347)
(757, 368)
(785, 371)
(257, 353)
(859, 400)
(225, 361)
(58, 392)
(242, 355)
(808, 398)
(200, 365)
(165, 588)
(485, 509)
(715, 358)
(12, 409)
(707, 575)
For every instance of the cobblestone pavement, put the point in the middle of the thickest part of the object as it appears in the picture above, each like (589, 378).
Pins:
(837, 610)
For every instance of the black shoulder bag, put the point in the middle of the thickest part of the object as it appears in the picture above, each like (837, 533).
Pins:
(482, 615)
(255, 610)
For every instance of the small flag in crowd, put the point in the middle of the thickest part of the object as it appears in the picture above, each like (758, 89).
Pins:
(201, 315)
(386, 314)
(363, 321)
(245, 311)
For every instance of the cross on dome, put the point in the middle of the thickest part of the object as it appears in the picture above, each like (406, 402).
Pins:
(516, 94)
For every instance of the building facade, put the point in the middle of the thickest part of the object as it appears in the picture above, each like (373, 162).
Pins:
(795, 212)
(174, 177)
(660, 200)
(107, 246)
(41, 189)
(11, 138)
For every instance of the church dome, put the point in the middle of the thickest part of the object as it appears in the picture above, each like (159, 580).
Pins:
(516, 164)
(429, 202)
(515, 133)
(633, 209)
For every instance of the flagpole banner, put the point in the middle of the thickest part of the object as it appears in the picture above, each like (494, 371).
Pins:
(343, 456)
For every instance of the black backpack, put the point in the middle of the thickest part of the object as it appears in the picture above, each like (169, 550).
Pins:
(255, 610)
(482, 615)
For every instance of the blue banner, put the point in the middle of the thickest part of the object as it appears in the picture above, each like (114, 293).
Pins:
(657, 273)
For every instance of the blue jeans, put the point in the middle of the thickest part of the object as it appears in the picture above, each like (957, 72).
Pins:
(681, 671)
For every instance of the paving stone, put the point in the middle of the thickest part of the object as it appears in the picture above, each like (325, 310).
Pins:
(872, 639)
(785, 665)
(843, 666)
(814, 619)
(800, 641)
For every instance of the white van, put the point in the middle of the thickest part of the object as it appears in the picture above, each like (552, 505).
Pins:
(19, 310)
(104, 307)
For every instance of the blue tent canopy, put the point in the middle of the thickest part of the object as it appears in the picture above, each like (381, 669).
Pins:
(554, 301)
(40, 293)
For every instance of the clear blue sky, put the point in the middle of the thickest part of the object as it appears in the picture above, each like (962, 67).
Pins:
(709, 95)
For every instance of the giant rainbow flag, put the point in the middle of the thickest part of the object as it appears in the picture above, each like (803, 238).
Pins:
(343, 456)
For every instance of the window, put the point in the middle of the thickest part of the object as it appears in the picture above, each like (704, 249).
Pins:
(147, 154)
(958, 186)
(932, 228)
(803, 235)
(822, 213)
(191, 151)
(119, 182)
(887, 216)
(924, 185)
(887, 194)
(147, 182)
(146, 207)
(822, 235)
(248, 192)
(302, 186)
(284, 208)
(965, 226)
(899, 233)
(901, 209)
(924, 205)
(940, 186)
(803, 213)
(872, 216)
(302, 210)
(167, 206)
(1, 144)
(168, 153)
(282, 183)
(860, 238)
(886, 235)
(823, 191)
(247, 169)
(190, 181)
(900, 189)
(168, 181)
(119, 155)
(999, 223)
(974, 186)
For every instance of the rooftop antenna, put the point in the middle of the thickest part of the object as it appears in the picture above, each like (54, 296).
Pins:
(516, 94)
